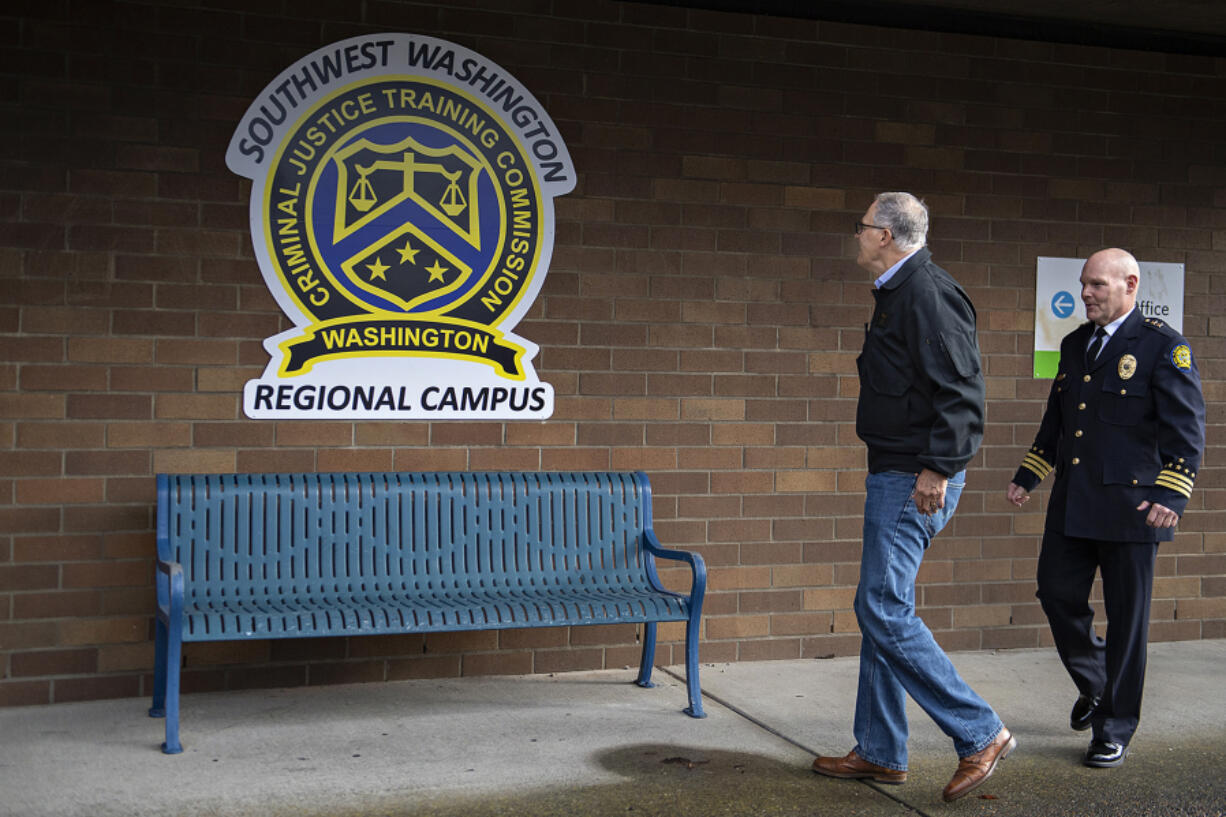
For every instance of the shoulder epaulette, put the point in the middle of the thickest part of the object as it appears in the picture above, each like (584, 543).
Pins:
(1154, 323)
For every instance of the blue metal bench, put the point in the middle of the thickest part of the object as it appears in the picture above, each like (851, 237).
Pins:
(255, 556)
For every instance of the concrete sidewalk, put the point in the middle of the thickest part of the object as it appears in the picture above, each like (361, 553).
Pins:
(595, 744)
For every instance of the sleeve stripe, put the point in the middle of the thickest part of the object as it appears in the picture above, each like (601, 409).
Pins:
(1178, 484)
(1037, 465)
(1175, 476)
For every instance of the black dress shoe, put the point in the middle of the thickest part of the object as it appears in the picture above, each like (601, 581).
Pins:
(1103, 754)
(1083, 712)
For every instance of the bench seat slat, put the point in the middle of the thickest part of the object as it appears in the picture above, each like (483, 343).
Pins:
(262, 618)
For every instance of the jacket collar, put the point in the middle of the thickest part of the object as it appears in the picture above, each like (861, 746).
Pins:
(1119, 339)
(913, 263)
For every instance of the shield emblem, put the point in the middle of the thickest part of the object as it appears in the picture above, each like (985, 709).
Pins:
(406, 225)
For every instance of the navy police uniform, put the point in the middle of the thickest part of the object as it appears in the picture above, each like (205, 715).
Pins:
(1126, 428)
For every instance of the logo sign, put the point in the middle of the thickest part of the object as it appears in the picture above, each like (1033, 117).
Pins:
(402, 215)
(1058, 308)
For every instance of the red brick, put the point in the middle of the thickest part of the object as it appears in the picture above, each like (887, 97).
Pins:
(262, 460)
(349, 672)
(78, 463)
(54, 491)
(109, 407)
(116, 295)
(29, 520)
(426, 666)
(32, 406)
(64, 320)
(503, 663)
(20, 635)
(113, 183)
(32, 236)
(57, 547)
(148, 434)
(25, 693)
(28, 577)
(109, 238)
(161, 323)
(101, 630)
(145, 157)
(55, 662)
(355, 459)
(110, 350)
(63, 378)
(56, 605)
(96, 688)
(148, 379)
(88, 575)
(131, 544)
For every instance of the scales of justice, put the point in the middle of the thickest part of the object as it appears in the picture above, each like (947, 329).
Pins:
(362, 196)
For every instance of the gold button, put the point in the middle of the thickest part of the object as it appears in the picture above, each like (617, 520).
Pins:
(1086, 378)
(1081, 406)
(1134, 482)
(1077, 433)
(1123, 391)
(1076, 461)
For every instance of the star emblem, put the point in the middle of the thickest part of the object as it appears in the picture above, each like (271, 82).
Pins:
(436, 271)
(408, 255)
(378, 270)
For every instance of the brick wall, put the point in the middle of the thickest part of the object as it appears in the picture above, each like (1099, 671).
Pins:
(700, 321)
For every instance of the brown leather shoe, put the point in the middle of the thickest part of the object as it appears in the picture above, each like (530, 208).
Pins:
(976, 768)
(854, 767)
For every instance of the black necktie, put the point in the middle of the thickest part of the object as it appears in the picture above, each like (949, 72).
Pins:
(1095, 344)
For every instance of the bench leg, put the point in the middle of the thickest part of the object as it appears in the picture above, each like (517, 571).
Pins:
(158, 709)
(649, 655)
(174, 661)
(694, 710)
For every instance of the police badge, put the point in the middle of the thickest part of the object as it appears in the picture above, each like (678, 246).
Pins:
(1127, 367)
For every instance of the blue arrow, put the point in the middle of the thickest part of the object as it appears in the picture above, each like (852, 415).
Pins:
(1063, 304)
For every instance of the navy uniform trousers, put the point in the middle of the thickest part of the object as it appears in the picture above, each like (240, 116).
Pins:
(1113, 667)
(1125, 428)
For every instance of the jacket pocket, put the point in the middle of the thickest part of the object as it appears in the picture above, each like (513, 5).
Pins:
(962, 352)
(1139, 475)
(882, 408)
(1123, 402)
(882, 376)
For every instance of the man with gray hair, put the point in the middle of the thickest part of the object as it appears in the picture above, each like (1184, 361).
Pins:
(920, 413)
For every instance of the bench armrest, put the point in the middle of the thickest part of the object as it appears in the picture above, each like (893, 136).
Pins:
(169, 582)
(698, 568)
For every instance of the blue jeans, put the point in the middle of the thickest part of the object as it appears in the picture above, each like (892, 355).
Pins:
(898, 655)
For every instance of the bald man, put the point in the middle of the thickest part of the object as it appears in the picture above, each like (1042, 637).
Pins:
(1124, 431)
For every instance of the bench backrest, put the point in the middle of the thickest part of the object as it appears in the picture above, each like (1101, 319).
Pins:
(290, 535)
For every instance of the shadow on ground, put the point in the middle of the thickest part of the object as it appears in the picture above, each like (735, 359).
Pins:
(677, 781)
(681, 781)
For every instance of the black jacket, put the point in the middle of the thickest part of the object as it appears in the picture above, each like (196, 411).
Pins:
(1128, 428)
(921, 388)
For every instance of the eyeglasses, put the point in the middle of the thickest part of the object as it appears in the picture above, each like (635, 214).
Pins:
(861, 227)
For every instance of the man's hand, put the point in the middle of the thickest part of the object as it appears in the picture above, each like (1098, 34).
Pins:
(1017, 494)
(1159, 516)
(929, 493)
